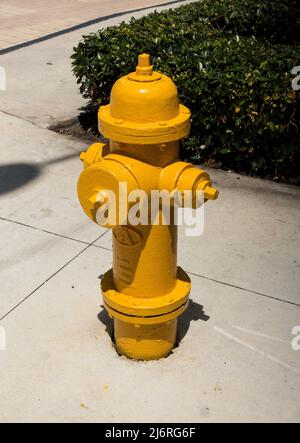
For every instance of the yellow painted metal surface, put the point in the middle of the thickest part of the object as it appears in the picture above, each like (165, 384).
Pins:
(145, 342)
(145, 291)
(144, 108)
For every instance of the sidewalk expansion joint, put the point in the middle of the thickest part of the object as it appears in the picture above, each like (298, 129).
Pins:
(45, 231)
(49, 278)
(21, 118)
(245, 289)
(109, 249)
(225, 283)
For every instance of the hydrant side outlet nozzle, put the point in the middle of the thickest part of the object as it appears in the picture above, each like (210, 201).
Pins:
(144, 292)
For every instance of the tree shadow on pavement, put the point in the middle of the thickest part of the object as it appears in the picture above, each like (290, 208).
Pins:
(13, 176)
(16, 175)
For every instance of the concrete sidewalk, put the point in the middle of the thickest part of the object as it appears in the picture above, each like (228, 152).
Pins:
(235, 360)
(27, 20)
(44, 90)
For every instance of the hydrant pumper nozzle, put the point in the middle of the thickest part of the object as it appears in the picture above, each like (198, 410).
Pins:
(144, 292)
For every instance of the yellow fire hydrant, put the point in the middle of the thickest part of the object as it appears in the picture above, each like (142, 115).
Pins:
(145, 291)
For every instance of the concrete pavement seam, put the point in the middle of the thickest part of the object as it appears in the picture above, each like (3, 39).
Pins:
(45, 230)
(22, 118)
(245, 289)
(109, 249)
(227, 284)
(49, 278)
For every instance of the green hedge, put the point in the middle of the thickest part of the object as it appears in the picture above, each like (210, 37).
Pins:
(274, 20)
(236, 82)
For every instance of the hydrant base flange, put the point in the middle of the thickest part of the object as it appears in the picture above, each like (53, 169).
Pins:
(146, 320)
(146, 310)
(145, 328)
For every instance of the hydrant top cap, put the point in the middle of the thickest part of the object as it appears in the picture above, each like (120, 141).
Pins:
(144, 108)
(144, 70)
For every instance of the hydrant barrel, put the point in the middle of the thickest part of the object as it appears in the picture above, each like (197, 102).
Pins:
(145, 291)
(145, 260)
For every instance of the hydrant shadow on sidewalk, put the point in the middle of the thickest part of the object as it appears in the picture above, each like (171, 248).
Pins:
(194, 312)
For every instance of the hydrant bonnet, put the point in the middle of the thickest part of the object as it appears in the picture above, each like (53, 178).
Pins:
(144, 108)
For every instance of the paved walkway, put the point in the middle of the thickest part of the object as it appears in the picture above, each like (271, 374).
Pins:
(44, 91)
(235, 360)
(25, 20)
